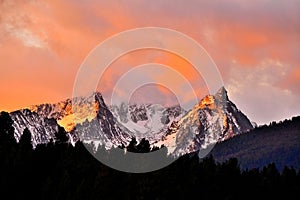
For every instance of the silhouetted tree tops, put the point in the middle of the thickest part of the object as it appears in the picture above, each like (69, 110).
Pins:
(61, 171)
(142, 147)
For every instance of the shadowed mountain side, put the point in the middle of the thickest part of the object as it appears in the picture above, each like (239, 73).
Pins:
(278, 143)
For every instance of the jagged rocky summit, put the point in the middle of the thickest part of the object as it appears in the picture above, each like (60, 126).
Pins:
(215, 118)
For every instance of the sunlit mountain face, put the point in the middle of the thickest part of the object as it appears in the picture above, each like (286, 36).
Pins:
(215, 118)
(63, 112)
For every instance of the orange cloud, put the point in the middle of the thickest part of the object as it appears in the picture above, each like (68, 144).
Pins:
(137, 58)
(42, 44)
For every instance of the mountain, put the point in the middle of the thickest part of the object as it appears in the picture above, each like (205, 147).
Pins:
(277, 143)
(42, 129)
(214, 119)
(150, 121)
(90, 120)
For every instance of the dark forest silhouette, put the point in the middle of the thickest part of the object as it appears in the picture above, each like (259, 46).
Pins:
(60, 171)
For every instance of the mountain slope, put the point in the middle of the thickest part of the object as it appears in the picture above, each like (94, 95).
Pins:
(42, 129)
(278, 143)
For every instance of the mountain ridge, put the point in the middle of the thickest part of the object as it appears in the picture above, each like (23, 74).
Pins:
(215, 118)
(89, 119)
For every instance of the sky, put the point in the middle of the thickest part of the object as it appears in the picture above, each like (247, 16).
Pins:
(255, 45)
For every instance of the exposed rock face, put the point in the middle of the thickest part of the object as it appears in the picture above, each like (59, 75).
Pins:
(215, 118)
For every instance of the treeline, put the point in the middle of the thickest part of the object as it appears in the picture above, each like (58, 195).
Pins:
(60, 171)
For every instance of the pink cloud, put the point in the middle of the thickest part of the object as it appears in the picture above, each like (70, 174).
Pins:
(43, 44)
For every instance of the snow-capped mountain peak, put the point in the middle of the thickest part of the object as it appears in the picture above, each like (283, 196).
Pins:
(213, 119)
(89, 119)
(149, 121)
